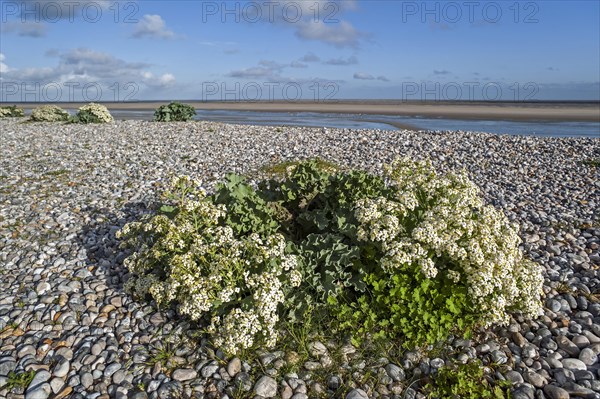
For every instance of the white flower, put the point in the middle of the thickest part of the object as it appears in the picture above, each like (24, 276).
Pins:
(49, 113)
(98, 110)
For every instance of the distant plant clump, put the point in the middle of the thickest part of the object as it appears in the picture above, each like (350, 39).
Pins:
(49, 113)
(92, 113)
(11, 112)
(410, 255)
(174, 112)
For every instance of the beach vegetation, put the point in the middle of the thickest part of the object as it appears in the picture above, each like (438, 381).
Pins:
(16, 380)
(92, 113)
(174, 112)
(466, 381)
(11, 111)
(280, 169)
(410, 256)
(49, 113)
(595, 162)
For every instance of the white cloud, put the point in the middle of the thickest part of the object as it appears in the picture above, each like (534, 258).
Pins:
(274, 72)
(3, 67)
(82, 66)
(255, 73)
(342, 34)
(266, 69)
(166, 79)
(310, 57)
(368, 76)
(342, 61)
(363, 76)
(152, 26)
(318, 20)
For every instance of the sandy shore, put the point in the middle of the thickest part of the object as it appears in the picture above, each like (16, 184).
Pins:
(550, 111)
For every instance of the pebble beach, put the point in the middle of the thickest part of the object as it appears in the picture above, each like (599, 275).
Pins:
(66, 189)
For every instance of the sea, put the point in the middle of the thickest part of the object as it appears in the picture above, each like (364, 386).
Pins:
(385, 122)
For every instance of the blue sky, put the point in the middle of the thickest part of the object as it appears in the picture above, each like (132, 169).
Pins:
(299, 49)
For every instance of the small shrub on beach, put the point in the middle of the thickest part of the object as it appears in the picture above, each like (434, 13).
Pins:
(410, 255)
(594, 162)
(11, 112)
(466, 381)
(92, 113)
(18, 380)
(174, 112)
(49, 113)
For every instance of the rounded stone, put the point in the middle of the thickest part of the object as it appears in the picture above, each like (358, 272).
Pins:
(554, 392)
(266, 387)
(184, 374)
(357, 394)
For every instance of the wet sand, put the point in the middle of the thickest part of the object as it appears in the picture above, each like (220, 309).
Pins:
(542, 111)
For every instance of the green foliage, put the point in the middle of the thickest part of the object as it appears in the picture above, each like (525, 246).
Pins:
(247, 212)
(18, 380)
(282, 168)
(594, 162)
(174, 112)
(11, 111)
(408, 305)
(466, 381)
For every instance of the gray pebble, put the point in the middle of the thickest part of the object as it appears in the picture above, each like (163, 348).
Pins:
(266, 387)
(357, 394)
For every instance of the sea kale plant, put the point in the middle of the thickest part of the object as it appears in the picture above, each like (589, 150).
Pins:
(409, 255)
(92, 113)
(174, 112)
(49, 113)
(11, 112)
(190, 254)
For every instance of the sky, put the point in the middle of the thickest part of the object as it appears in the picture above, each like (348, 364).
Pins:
(105, 50)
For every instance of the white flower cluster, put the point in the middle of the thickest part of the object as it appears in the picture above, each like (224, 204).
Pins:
(98, 110)
(193, 259)
(49, 113)
(441, 224)
(8, 112)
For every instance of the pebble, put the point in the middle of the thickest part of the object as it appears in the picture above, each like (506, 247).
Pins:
(317, 349)
(573, 364)
(61, 369)
(396, 373)
(535, 379)
(209, 370)
(568, 346)
(554, 392)
(357, 394)
(588, 357)
(234, 366)
(266, 387)
(184, 374)
(87, 380)
(39, 388)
